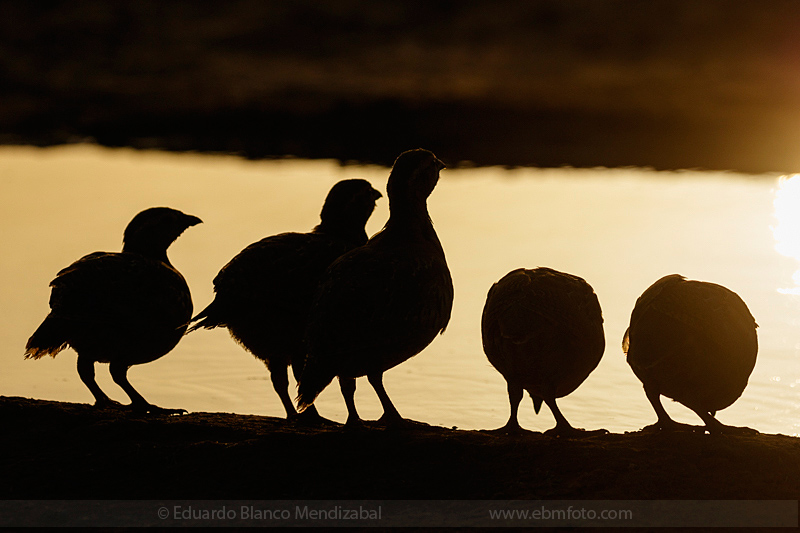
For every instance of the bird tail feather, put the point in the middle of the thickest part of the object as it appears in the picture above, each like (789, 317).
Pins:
(48, 339)
(208, 318)
(313, 380)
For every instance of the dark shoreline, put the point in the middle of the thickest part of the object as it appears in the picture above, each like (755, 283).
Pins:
(54, 450)
(374, 132)
(541, 83)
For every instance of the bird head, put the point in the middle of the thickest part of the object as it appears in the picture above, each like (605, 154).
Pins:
(348, 206)
(414, 175)
(152, 231)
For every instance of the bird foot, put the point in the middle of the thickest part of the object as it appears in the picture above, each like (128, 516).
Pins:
(669, 425)
(569, 432)
(310, 417)
(508, 429)
(108, 403)
(397, 422)
(354, 423)
(722, 429)
(151, 409)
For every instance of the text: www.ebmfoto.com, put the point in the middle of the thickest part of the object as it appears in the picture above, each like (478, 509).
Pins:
(569, 513)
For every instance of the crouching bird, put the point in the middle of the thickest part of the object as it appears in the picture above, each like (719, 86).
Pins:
(383, 303)
(543, 331)
(123, 309)
(694, 342)
(264, 293)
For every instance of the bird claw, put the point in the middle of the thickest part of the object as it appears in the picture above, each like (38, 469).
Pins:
(668, 426)
(156, 410)
(139, 408)
(108, 403)
(385, 421)
(310, 417)
(722, 429)
(569, 432)
(398, 422)
(354, 423)
(164, 411)
(393, 421)
(508, 429)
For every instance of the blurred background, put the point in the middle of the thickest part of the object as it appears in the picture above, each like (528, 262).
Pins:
(709, 84)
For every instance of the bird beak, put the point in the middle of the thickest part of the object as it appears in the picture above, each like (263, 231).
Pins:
(191, 220)
(376, 194)
(440, 165)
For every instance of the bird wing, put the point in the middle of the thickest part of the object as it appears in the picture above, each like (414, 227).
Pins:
(372, 299)
(111, 287)
(278, 270)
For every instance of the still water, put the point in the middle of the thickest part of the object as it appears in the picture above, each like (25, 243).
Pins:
(620, 229)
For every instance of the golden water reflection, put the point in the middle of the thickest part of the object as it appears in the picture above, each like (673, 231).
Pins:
(619, 229)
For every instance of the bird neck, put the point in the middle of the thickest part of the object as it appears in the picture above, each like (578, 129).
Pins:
(152, 252)
(408, 207)
(343, 230)
(410, 217)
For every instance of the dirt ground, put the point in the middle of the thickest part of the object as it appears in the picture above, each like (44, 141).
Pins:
(52, 450)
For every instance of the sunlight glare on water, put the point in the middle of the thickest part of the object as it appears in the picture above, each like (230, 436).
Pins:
(620, 229)
(787, 230)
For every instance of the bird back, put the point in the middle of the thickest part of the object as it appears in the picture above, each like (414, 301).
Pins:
(121, 289)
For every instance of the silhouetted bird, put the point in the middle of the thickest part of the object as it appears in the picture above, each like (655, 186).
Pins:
(383, 303)
(694, 342)
(543, 331)
(124, 309)
(263, 295)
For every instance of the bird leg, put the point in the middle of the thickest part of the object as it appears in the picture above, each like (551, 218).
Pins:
(119, 373)
(563, 427)
(664, 422)
(280, 382)
(515, 394)
(390, 417)
(348, 388)
(715, 427)
(86, 372)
